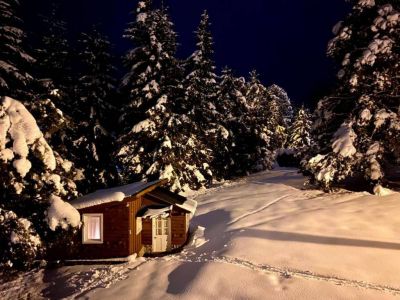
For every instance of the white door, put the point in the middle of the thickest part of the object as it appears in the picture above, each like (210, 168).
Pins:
(161, 234)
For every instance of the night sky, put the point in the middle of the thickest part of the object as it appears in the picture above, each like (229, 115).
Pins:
(284, 40)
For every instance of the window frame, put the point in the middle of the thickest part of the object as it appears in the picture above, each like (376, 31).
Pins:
(85, 239)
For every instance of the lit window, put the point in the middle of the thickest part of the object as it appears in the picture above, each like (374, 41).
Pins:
(92, 229)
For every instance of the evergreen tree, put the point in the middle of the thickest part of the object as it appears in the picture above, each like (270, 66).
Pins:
(34, 178)
(54, 62)
(275, 124)
(201, 83)
(96, 112)
(201, 90)
(300, 138)
(149, 63)
(258, 121)
(278, 94)
(358, 125)
(281, 114)
(231, 104)
(238, 159)
(97, 82)
(15, 62)
(160, 143)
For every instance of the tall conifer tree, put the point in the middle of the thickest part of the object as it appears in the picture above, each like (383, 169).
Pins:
(358, 125)
(15, 62)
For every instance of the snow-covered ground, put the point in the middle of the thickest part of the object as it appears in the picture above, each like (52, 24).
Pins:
(264, 237)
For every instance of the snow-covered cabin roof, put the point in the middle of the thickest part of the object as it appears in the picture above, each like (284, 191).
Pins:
(189, 205)
(155, 212)
(166, 196)
(116, 194)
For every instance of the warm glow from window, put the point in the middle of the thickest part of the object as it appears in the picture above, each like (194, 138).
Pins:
(92, 228)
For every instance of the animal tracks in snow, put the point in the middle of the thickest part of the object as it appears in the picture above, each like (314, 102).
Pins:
(286, 273)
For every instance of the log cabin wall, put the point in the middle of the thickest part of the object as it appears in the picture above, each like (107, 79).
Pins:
(116, 238)
(179, 227)
(147, 232)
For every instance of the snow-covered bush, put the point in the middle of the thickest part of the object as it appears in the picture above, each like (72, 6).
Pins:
(358, 127)
(20, 244)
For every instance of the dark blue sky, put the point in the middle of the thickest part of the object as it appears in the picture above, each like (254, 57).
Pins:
(285, 40)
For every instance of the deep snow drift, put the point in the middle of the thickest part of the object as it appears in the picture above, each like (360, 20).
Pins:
(260, 238)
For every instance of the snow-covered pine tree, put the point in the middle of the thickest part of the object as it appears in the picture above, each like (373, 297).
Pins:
(157, 141)
(54, 62)
(33, 181)
(234, 160)
(300, 138)
(148, 63)
(276, 124)
(281, 112)
(15, 62)
(97, 81)
(201, 91)
(358, 126)
(96, 112)
(278, 94)
(261, 125)
(201, 86)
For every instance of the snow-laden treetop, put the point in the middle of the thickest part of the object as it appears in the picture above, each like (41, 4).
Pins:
(19, 132)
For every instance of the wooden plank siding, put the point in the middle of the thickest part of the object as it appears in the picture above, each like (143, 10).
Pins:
(135, 241)
(116, 218)
(120, 235)
(179, 233)
(147, 232)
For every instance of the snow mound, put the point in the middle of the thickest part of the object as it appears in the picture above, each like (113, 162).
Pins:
(381, 191)
(344, 139)
(198, 238)
(62, 214)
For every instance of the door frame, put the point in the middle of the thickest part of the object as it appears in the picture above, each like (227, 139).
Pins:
(153, 231)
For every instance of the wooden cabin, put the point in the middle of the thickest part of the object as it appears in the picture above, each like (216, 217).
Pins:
(137, 218)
